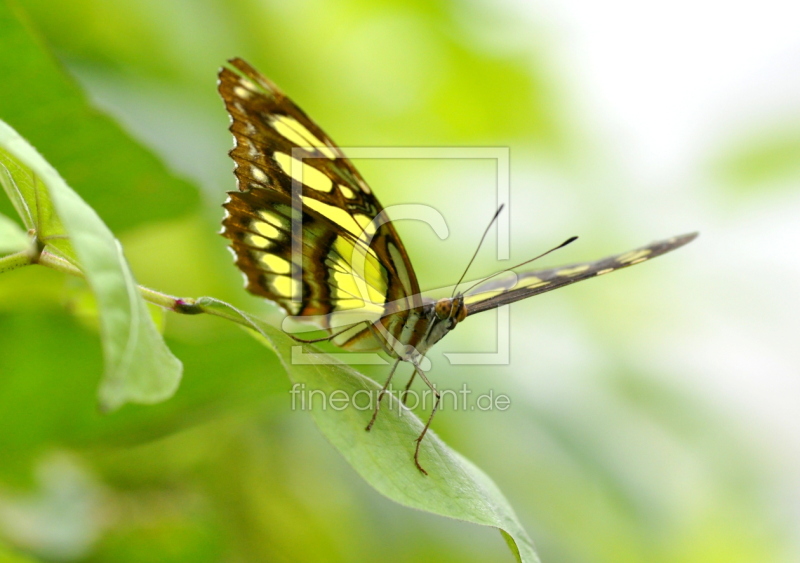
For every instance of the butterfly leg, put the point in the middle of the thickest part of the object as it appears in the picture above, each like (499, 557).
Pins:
(404, 396)
(381, 394)
(430, 418)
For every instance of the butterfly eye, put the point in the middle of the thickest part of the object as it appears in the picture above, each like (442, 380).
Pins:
(443, 308)
(461, 314)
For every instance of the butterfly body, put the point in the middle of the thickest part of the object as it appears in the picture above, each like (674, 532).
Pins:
(427, 326)
(308, 233)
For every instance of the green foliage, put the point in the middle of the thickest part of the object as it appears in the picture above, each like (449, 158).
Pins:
(383, 456)
(139, 367)
(88, 149)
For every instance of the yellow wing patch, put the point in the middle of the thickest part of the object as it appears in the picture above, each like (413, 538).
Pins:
(573, 271)
(265, 229)
(530, 282)
(476, 297)
(285, 286)
(634, 256)
(303, 173)
(273, 219)
(363, 268)
(340, 217)
(295, 132)
(256, 240)
(274, 263)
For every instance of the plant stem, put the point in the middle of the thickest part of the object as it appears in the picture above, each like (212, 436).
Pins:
(16, 260)
(182, 305)
(58, 264)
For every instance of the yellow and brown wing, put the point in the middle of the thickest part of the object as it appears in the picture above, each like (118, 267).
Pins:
(303, 223)
(495, 293)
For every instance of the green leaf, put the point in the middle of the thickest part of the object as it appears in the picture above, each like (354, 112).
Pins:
(138, 365)
(454, 486)
(12, 238)
(92, 153)
(24, 188)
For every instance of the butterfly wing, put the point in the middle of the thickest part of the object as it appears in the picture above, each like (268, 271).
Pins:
(346, 257)
(495, 293)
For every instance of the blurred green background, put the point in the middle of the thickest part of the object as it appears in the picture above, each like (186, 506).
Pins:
(654, 412)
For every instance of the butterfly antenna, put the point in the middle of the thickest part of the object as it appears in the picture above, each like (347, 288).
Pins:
(542, 255)
(486, 232)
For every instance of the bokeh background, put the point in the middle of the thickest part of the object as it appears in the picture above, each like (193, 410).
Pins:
(655, 412)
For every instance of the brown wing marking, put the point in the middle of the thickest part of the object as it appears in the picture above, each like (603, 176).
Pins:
(495, 293)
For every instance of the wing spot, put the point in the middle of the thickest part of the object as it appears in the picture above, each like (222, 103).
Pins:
(483, 296)
(295, 132)
(256, 241)
(252, 151)
(242, 92)
(633, 255)
(248, 85)
(532, 282)
(638, 260)
(364, 187)
(275, 264)
(258, 174)
(335, 214)
(285, 286)
(347, 192)
(304, 173)
(265, 229)
(569, 272)
(271, 218)
(604, 272)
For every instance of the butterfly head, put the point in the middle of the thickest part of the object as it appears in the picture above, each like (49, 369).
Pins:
(442, 317)
(451, 308)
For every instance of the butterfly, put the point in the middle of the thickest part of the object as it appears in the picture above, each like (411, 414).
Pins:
(309, 234)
